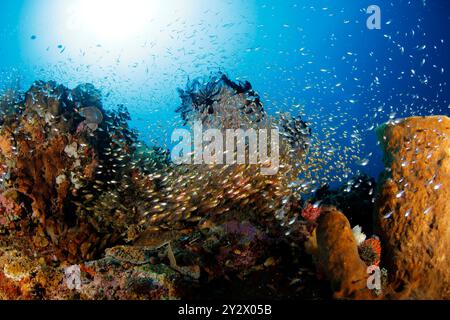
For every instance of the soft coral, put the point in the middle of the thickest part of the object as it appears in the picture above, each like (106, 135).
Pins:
(311, 212)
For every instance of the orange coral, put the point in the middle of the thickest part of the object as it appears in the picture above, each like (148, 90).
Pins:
(370, 251)
(5, 146)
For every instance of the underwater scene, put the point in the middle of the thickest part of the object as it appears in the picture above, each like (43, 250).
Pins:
(208, 150)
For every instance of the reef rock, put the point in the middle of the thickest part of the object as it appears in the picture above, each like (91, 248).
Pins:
(338, 257)
(413, 208)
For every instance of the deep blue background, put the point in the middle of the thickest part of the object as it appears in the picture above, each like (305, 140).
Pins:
(315, 54)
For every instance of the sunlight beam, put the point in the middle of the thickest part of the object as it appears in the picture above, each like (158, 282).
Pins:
(111, 19)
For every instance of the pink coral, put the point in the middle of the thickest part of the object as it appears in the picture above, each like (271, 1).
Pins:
(311, 213)
(9, 209)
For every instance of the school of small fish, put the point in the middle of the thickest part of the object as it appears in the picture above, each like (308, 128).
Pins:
(336, 100)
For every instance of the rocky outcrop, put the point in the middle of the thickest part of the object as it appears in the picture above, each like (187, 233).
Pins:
(413, 208)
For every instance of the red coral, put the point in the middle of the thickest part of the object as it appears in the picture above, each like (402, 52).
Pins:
(370, 251)
(311, 213)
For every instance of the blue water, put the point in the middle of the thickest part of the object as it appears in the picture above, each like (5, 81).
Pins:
(317, 58)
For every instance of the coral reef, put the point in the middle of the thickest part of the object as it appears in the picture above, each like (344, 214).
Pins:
(413, 208)
(24, 277)
(204, 191)
(81, 196)
(89, 212)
